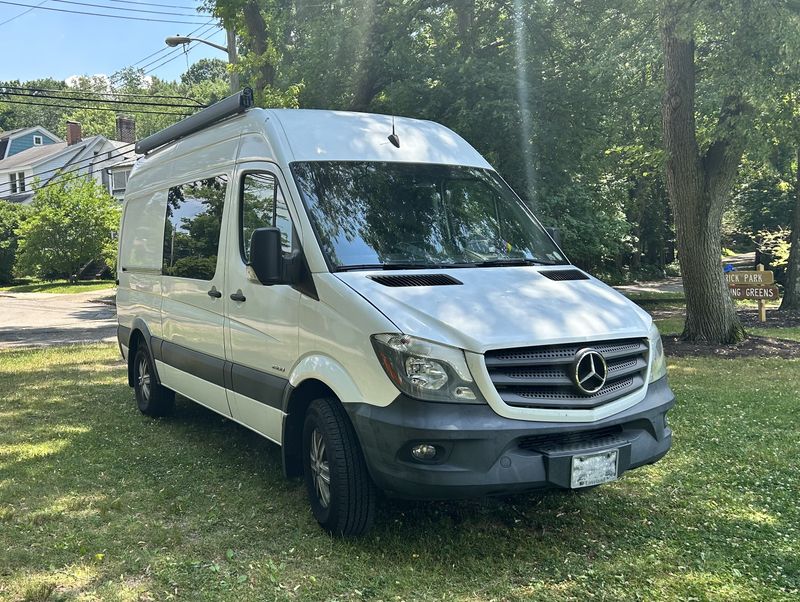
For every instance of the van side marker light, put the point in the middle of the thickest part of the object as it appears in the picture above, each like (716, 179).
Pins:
(232, 105)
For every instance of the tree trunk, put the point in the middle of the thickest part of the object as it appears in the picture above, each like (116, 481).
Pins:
(791, 290)
(698, 187)
(257, 30)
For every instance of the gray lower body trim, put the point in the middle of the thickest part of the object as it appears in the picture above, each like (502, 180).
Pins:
(482, 453)
(261, 386)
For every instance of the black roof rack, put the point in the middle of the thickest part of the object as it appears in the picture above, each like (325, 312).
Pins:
(232, 105)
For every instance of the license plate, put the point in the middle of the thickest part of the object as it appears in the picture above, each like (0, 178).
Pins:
(593, 469)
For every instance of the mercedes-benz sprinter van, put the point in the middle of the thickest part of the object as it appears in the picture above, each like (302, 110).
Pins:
(368, 293)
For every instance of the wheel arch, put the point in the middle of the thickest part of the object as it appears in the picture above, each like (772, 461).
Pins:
(295, 404)
(140, 335)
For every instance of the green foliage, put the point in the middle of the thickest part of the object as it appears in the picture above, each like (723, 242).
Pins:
(70, 224)
(11, 216)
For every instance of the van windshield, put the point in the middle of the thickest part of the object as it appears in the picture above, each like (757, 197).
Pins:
(373, 215)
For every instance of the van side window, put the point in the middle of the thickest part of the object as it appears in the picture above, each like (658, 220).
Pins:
(192, 228)
(263, 206)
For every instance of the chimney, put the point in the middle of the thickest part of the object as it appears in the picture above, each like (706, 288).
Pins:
(73, 132)
(126, 129)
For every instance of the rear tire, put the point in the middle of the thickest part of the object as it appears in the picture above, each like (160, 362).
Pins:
(340, 489)
(152, 398)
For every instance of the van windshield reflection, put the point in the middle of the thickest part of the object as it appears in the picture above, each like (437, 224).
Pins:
(374, 215)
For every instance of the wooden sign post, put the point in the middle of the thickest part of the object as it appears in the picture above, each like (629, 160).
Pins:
(758, 285)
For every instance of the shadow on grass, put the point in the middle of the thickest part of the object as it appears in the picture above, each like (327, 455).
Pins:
(83, 474)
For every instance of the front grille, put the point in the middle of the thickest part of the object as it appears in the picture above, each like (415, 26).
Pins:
(572, 441)
(539, 377)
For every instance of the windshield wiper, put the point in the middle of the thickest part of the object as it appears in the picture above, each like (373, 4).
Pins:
(387, 266)
(511, 261)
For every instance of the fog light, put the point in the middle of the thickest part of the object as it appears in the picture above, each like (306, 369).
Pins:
(423, 452)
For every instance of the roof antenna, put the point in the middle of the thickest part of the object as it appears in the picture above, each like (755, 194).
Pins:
(394, 138)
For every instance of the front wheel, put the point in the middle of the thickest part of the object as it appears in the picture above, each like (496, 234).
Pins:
(340, 490)
(152, 398)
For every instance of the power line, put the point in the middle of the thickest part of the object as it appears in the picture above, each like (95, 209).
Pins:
(176, 51)
(152, 4)
(92, 14)
(100, 100)
(130, 10)
(117, 153)
(22, 14)
(68, 89)
(165, 48)
(63, 106)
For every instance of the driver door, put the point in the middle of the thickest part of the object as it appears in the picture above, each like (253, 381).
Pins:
(261, 322)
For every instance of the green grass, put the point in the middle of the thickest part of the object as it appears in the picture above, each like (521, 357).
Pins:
(98, 502)
(59, 286)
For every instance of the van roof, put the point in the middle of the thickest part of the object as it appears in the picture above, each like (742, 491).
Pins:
(317, 135)
(306, 135)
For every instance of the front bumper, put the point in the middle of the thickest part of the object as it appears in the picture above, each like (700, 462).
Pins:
(481, 453)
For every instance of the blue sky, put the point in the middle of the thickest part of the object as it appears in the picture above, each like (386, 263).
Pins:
(54, 44)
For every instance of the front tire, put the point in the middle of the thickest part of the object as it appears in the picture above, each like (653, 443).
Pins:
(340, 490)
(152, 398)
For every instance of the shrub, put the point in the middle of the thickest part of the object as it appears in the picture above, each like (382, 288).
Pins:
(11, 216)
(70, 224)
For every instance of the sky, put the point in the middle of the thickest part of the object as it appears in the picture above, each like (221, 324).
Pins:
(43, 43)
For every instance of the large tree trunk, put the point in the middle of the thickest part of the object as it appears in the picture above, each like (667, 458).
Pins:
(791, 290)
(698, 187)
(259, 36)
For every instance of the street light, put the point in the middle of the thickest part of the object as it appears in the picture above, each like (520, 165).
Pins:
(174, 41)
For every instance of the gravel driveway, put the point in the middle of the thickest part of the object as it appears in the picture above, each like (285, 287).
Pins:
(44, 319)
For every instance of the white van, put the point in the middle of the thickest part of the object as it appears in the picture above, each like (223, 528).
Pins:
(368, 293)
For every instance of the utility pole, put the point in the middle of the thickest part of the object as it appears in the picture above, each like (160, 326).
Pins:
(233, 59)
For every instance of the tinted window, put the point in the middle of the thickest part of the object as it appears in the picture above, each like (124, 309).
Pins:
(263, 206)
(192, 228)
(379, 214)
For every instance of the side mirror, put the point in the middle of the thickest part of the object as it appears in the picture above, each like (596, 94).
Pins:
(266, 255)
(555, 234)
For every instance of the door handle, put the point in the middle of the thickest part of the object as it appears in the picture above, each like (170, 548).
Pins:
(214, 293)
(238, 296)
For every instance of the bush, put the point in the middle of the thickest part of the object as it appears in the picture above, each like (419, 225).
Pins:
(11, 216)
(70, 224)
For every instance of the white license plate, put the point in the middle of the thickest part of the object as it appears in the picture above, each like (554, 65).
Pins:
(593, 469)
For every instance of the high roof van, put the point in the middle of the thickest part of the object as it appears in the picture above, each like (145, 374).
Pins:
(368, 293)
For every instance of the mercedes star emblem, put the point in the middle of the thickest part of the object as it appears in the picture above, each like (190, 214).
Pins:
(589, 371)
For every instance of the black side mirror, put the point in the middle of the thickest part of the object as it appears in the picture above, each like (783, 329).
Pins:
(555, 234)
(266, 255)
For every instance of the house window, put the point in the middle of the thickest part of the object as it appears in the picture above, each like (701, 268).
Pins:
(13, 178)
(21, 181)
(37, 141)
(119, 181)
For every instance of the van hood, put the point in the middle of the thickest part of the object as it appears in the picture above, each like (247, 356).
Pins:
(502, 307)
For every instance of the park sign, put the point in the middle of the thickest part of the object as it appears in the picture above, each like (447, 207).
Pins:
(759, 292)
(749, 278)
(757, 285)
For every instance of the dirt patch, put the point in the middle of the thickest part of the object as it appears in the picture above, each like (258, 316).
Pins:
(751, 347)
(775, 319)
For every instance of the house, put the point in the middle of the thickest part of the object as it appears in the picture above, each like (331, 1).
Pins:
(35, 155)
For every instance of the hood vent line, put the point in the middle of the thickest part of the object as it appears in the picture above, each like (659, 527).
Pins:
(559, 275)
(397, 280)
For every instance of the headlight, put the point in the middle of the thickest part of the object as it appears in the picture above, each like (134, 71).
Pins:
(658, 361)
(426, 370)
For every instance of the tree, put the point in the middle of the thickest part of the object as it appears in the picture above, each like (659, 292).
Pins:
(70, 224)
(11, 216)
(698, 184)
(791, 292)
(205, 70)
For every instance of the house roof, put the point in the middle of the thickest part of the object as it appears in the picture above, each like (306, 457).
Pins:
(36, 154)
(10, 133)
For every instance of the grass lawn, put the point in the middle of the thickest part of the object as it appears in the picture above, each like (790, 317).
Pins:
(59, 286)
(98, 502)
